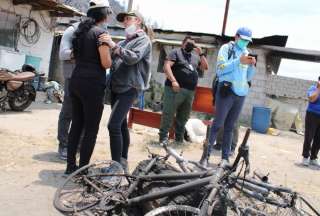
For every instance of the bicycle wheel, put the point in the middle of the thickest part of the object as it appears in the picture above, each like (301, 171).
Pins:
(174, 210)
(85, 187)
(301, 207)
(275, 202)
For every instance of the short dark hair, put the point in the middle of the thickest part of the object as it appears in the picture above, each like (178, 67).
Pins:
(188, 37)
(319, 78)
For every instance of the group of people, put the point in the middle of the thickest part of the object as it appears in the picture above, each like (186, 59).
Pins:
(87, 50)
(235, 69)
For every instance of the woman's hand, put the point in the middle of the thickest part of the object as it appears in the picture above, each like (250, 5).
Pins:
(106, 38)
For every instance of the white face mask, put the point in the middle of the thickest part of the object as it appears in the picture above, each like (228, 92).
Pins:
(130, 30)
(104, 25)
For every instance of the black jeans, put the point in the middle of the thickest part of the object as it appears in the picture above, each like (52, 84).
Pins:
(312, 134)
(118, 126)
(65, 117)
(87, 106)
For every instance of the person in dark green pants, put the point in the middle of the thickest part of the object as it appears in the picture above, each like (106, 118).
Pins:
(181, 68)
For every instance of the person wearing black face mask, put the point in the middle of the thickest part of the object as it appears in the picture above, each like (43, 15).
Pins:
(181, 68)
(189, 47)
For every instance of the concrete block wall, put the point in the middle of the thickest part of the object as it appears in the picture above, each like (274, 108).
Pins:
(288, 87)
(290, 90)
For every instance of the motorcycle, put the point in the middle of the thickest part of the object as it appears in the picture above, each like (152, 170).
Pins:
(16, 88)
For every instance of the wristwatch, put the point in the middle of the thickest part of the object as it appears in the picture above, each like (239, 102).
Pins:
(202, 54)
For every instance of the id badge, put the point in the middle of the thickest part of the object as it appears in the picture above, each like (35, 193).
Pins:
(191, 67)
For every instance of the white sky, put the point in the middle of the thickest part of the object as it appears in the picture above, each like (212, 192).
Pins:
(299, 19)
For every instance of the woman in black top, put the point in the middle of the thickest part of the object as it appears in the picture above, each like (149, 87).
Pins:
(87, 85)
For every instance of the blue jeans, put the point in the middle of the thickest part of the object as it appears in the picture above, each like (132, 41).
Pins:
(228, 109)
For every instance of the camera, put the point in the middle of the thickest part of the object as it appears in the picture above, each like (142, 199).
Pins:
(253, 55)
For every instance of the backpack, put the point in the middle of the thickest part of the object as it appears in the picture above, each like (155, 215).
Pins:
(215, 82)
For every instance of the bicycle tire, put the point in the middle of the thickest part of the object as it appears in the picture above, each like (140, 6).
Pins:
(280, 201)
(304, 208)
(174, 210)
(77, 194)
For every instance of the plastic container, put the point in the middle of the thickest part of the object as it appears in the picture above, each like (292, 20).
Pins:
(34, 61)
(261, 117)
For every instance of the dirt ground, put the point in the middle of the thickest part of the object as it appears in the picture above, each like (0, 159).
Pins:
(31, 171)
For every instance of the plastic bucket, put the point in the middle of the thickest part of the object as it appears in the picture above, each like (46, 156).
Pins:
(261, 117)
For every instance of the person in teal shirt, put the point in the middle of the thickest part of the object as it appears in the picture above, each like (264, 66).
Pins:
(235, 69)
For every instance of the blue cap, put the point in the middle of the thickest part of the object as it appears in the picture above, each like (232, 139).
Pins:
(245, 33)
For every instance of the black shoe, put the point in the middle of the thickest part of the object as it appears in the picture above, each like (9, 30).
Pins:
(217, 147)
(70, 169)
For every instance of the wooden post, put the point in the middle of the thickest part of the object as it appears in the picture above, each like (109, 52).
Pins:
(225, 17)
(130, 5)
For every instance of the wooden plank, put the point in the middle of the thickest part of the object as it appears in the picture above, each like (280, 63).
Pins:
(17, 2)
(60, 14)
(39, 8)
(146, 118)
(143, 117)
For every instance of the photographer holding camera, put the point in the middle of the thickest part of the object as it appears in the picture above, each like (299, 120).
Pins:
(235, 69)
(181, 68)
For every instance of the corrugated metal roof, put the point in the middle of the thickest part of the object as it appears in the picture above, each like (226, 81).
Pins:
(292, 53)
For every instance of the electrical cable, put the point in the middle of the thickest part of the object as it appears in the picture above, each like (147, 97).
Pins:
(30, 30)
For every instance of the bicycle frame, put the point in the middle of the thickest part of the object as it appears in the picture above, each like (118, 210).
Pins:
(210, 178)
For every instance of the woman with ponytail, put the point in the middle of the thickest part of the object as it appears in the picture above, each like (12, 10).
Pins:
(87, 83)
(130, 75)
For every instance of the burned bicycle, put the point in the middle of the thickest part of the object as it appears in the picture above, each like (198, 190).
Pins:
(103, 189)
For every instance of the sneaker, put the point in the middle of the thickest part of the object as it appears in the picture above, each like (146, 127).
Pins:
(70, 169)
(315, 163)
(114, 168)
(63, 152)
(163, 139)
(224, 163)
(124, 163)
(305, 161)
(231, 154)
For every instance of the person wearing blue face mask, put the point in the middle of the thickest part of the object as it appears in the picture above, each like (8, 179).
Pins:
(235, 70)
